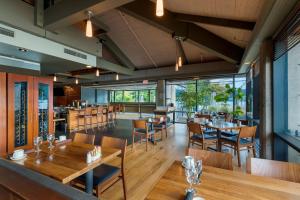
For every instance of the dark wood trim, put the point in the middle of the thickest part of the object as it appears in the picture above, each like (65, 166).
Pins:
(216, 21)
(289, 140)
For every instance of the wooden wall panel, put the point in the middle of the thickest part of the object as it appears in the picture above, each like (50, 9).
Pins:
(3, 114)
(11, 80)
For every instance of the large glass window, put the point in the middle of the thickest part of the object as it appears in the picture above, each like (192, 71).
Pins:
(132, 96)
(208, 95)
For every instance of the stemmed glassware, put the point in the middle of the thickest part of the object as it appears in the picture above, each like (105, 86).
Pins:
(193, 172)
(37, 141)
(50, 139)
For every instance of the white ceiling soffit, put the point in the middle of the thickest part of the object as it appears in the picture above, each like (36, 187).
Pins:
(42, 45)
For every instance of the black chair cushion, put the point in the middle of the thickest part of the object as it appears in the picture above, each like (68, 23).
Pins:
(234, 139)
(210, 132)
(159, 126)
(206, 137)
(229, 133)
(102, 173)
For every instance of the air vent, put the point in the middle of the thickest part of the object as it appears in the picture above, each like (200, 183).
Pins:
(74, 53)
(7, 32)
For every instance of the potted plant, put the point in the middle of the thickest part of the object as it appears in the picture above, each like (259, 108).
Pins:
(188, 99)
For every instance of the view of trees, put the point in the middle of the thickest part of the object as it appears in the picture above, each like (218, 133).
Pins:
(147, 95)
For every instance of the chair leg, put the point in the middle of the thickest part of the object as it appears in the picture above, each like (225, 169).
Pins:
(98, 192)
(254, 151)
(238, 155)
(132, 141)
(166, 132)
(124, 187)
(147, 143)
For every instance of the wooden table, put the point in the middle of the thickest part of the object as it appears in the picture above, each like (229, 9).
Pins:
(223, 184)
(66, 162)
(219, 127)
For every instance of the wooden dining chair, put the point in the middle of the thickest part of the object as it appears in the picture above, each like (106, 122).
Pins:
(199, 137)
(214, 159)
(244, 140)
(274, 169)
(105, 175)
(84, 138)
(141, 129)
(160, 124)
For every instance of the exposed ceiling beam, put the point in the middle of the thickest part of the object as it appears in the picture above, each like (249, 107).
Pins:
(274, 13)
(191, 70)
(181, 52)
(104, 64)
(84, 71)
(113, 47)
(68, 12)
(215, 21)
(145, 11)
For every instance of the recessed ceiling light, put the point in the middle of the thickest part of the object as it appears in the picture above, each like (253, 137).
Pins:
(23, 49)
(89, 66)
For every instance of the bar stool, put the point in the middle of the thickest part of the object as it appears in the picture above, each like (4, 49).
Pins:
(94, 113)
(100, 117)
(88, 116)
(104, 116)
(110, 114)
(80, 118)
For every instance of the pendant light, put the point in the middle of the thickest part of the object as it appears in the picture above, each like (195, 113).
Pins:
(54, 78)
(89, 27)
(76, 81)
(179, 61)
(117, 77)
(159, 8)
(89, 66)
(97, 72)
(176, 67)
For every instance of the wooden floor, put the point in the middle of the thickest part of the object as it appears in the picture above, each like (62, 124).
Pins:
(144, 169)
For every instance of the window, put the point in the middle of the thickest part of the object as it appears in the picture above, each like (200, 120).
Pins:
(118, 96)
(132, 96)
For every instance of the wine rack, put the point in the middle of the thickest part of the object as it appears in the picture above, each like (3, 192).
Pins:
(43, 110)
(20, 103)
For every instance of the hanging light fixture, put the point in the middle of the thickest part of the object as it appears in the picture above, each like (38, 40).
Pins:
(117, 77)
(176, 67)
(97, 72)
(179, 61)
(159, 8)
(88, 66)
(54, 78)
(89, 27)
(76, 81)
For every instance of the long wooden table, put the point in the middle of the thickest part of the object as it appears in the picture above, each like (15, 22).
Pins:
(67, 161)
(223, 184)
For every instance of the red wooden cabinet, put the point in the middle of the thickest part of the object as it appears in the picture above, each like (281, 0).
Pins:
(30, 110)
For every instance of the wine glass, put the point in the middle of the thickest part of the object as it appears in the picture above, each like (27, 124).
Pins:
(193, 172)
(189, 172)
(37, 142)
(50, 139)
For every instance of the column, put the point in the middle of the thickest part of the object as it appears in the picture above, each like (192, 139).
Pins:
(161, 93)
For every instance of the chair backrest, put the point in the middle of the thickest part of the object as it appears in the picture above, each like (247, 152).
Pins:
(84, 138)
(88, 111)
(194, 128)
(203, 116)
(142, 124)
(275, 169)
(110, 108)
(213, 159)
(247, 132)
(100, 109)
(116, 143)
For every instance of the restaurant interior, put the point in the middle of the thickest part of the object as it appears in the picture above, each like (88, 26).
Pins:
(149, 99)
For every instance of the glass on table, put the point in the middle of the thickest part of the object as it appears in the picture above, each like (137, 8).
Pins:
(50, 139)
(37, 141)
